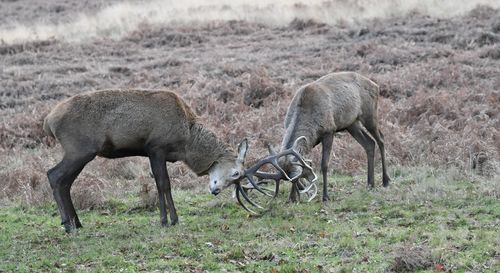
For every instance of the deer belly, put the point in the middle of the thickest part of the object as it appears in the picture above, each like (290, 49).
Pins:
(122, 147)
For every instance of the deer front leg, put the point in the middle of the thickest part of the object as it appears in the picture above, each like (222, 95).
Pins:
(159, 168)
(294, 193)
(327, 144)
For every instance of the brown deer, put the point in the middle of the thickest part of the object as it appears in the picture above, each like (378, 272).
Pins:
(333, 103)
(155, 124)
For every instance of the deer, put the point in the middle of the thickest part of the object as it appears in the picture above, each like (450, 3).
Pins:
(341, 101)
(156, 124)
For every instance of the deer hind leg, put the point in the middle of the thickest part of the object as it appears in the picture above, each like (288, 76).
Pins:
(159, 168)
(379, 138)
(73, 217)
(368, 144)
(327, 143)
(170, 201)
(61, 178)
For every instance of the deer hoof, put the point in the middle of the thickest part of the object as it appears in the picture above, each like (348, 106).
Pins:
(69, 228)
(386, 182)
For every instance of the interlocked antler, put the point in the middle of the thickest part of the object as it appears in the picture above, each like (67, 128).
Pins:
(272, 159)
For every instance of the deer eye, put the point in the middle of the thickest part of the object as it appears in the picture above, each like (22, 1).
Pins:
(236, 174)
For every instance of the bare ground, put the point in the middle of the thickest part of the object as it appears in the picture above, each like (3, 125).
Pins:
(439, 78)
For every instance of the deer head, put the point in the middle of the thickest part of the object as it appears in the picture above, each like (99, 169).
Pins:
(226, 172)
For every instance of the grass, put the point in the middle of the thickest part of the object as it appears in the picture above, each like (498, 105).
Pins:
(117, 19)
(447, 225)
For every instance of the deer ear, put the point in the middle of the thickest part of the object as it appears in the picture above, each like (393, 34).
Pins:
(242, 150)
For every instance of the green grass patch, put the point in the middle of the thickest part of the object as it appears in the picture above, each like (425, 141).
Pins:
(414, 225)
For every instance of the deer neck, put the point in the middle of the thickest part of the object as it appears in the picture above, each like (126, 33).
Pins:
(204, 149)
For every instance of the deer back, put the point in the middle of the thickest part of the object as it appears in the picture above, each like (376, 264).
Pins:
(331, 103)
(123, 119)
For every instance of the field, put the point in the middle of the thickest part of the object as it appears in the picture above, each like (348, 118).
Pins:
(432, 222)
(238, 66)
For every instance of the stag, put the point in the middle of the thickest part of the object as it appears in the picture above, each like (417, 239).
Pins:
(154, 124)
(335, 102)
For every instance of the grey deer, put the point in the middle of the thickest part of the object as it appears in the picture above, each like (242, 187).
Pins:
(335, 102)
(120, 123)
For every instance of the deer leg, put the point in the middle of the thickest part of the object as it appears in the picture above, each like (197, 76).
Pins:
(379, 138)
(368, 144)
(170, 202)
(74, 221)
(380, 142)
(61, 178)
(54, 175)
(294, 193)
(327, 143)
(159, 168)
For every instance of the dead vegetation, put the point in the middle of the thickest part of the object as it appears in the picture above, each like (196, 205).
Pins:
(439, 81)
(262, 89)
(412, 258)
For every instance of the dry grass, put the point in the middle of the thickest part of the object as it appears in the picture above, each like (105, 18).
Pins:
(23, 180)
(412, 258)
(262, 89)
(116, 20)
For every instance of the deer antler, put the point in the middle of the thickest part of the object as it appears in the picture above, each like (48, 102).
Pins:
(272, 159)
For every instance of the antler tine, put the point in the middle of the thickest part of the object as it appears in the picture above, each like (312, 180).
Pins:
(315, 192)
(302, 162)
(238, 191)
(255, 185)
(273, 160)
(308, 188)
(305, 164)
(306, 191)
(297, 141)
(312, 171)
(271, 176)
(245, 196)
(270, 148)
(275, 163)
